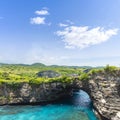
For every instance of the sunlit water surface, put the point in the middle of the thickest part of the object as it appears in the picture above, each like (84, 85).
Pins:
(76, 107)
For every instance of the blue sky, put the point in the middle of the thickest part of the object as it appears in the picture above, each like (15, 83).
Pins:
(63, 32)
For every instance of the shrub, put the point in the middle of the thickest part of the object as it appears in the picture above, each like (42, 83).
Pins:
(110, 69)
(84, 76)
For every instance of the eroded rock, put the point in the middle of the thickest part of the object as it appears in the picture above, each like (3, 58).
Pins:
(103, 88)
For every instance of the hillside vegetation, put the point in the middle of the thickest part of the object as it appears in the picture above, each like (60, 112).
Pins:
(17, 73)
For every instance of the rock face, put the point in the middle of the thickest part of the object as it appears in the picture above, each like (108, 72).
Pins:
(103, 88)
(26, 94)
(105, 94)
(48, 74)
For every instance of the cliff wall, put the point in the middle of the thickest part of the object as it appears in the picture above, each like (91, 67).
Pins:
(103, 88)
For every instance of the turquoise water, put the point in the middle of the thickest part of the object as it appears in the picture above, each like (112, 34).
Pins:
(75, 107)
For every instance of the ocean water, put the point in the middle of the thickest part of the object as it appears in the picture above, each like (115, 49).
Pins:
(75, 107)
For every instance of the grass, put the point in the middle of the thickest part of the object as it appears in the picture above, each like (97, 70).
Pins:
(17, 74)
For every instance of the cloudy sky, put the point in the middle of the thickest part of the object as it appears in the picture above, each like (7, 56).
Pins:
(63, 32)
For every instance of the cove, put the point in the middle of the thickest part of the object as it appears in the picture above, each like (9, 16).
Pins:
(78, 106)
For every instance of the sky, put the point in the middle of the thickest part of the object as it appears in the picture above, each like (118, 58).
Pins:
(62, 32)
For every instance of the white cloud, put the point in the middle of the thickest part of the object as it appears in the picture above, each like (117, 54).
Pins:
(62, 25)
(82, 37)
(42, 12)
(37, 20)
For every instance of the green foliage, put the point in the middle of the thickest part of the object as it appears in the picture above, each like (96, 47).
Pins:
(13, 74)
(110, 69)
(95, 71)
(84, 76)
(36, 80)
(17, 73)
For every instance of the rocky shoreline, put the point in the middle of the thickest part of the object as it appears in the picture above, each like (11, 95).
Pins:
(103, 88)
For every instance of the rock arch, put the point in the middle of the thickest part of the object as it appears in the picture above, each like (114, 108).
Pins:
(103, 88)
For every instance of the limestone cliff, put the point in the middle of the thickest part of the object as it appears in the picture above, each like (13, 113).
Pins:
(105, 94)
(26, 93)
(103, 88)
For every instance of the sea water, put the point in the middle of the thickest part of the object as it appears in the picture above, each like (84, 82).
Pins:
(75, 107)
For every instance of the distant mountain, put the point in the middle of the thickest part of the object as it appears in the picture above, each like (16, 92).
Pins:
(7, 64)
(38, 65)
(53, 66)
